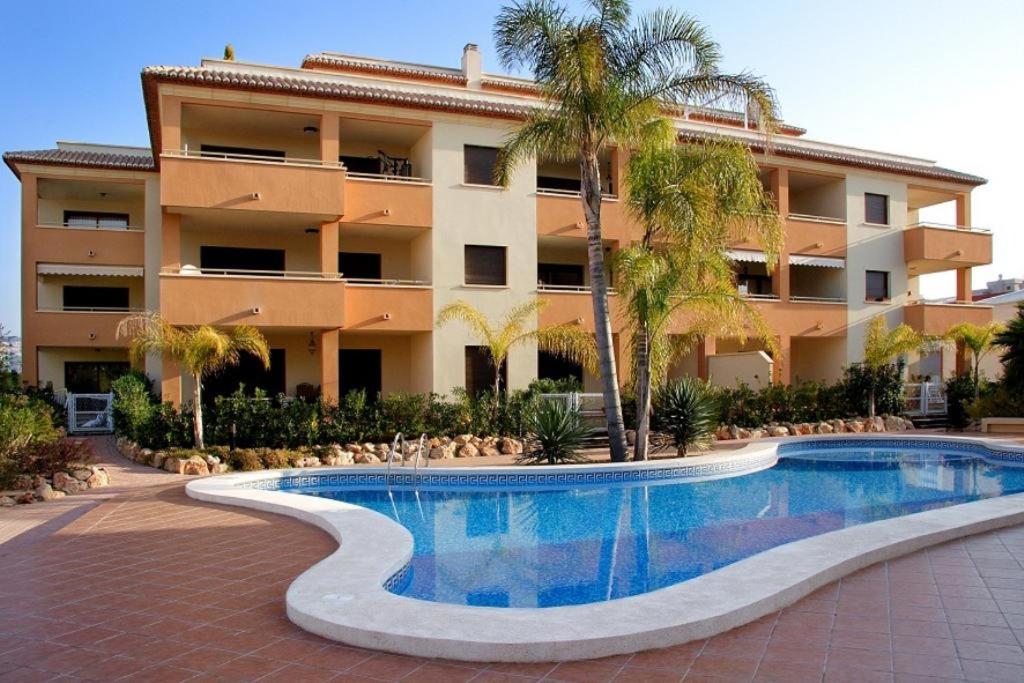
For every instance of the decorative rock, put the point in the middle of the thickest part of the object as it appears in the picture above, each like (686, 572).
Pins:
(757, 433)
(778, 430)
(513, 447)
(823, 428)
(875, 425)
(38, 481)
(157, 460)
(369, 447)
(467, 451)
(742, 433)
(855, 426)
(489, 451)
(62, 481)
(212, 461)
(222, 468)
(310, 461)
(724, 433)
(909, 425)
(893, 423)
(462, 439)
(194, 466)
(25, 498)
(443, 452)
(6, 502)
(838, 426)
(23, 482)
(45, 492)
(367, 458)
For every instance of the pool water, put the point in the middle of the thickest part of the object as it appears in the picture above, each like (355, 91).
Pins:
(535, 547)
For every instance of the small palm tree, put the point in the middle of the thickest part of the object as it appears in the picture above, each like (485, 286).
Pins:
(979, 340)
(609, 81)
(567, 340)
(200, 350)
(883, 346)
(558, 433)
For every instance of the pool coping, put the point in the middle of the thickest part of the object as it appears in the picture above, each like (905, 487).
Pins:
(343, 597)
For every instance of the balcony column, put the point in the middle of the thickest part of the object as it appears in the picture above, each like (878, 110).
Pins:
(170, 129)
(783, 366)
(329, 148)
(170, 241)
(780, 190)
(170, 383)
(329, 378)
(329, 248)
(705, 348)
(964, 285)
(29, 280)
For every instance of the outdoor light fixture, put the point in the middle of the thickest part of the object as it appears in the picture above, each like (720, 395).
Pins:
(312, 344)
(312, 231)
(310, 130)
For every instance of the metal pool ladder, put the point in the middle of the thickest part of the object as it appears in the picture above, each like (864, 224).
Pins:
(398, 450)
(391, 457)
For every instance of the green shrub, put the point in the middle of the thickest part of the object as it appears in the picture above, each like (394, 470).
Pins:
(557, 435)
(134, 407)
(687, 410)
(274, 459)
(56, 456)
(959, 396)
(888, 383)
(245, 460)
(26, 424)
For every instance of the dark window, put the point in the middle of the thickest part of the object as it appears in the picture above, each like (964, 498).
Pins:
(755, 283)
(485, 265)
(359, 265)
(220, 259)
(250, 374)
(563, 274)
(546, 182)
(92, 377)
(95, 219)
(360, 370)
(876, 284)
(550, 366)
(876, 208)
(480, 163)
(480, 371)
(360, 164)
(227, 152)
(76, 297)
(382, 164)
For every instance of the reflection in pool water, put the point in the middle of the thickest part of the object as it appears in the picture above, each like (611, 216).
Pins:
(543, 548)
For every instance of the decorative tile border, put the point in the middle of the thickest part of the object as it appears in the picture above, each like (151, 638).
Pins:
(345, 598)
(982, 450)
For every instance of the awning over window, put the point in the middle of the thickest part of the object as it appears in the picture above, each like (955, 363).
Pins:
(819, 261)
(74, 269)
(747, 255)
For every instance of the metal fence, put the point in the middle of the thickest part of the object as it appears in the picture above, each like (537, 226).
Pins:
(924, 399)
(90, 413)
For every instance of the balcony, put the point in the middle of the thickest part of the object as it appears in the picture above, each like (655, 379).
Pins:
(934, 247)
(61, 243)
(289, 299)
(560, 214)
(816, 235)
(937, 318)
(574, 305)
(78, 328)
(191, 179)
(388, 200)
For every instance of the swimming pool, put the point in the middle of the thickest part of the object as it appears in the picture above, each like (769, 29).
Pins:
(548, 545)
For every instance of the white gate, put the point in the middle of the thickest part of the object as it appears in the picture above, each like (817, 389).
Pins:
(588, 405)
(90, 413)
(924, 399)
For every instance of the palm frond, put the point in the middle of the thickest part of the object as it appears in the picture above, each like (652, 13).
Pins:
(883, 346)
(545, 134)
(569, 341)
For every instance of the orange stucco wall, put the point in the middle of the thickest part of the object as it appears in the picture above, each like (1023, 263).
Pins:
(89, 247)
(281, 302)
(66, 328)
(408, 309)
(563, 217)
(568, 307)
(231, 184)
(938, 318)
(960, 247)
(378, 202)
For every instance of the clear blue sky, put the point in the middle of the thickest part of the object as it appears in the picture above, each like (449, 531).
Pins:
(931, 78)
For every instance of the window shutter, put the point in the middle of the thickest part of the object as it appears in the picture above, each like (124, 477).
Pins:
(480, 163)
(485, 265)
(876, 209)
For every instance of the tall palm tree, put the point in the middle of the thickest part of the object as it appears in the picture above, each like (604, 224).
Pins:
(200, 350)
(609, 81)
(883, 346)
(691, 201)
(567, 339)
(979, 340)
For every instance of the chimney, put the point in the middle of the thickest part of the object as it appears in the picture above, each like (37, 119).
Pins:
(471, 65)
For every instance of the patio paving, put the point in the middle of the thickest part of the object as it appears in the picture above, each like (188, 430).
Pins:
(153, 586)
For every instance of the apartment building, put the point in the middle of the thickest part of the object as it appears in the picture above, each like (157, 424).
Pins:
(339, 205)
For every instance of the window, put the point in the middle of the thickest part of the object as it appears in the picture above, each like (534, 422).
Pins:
(250, 375)
(360, 370)
(95, 219)
(560, 274)
(485, 265)
(547, 182)
(359, 266)
(228, 152)
(876, 285)
(876, 209)
(550, 366)
(480, 163)
(243, 259)
(480, 371)
(86, 377)
(89, 298)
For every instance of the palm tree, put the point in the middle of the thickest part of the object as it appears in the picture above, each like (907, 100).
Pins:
(979, 340)
(567, 339)
(607, 81)
(691, 202)
(1011, 339)
(883, 346)
(200, 350)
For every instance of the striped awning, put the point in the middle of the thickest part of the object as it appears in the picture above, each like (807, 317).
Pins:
(747, 256)
(75, 269)
(819, 261)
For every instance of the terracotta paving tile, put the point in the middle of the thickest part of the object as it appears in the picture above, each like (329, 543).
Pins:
(787, 672)
(990, 652)
(927, 665)
(993, 672)
(923, 645)
(387, 667)
(854, 658)
(725, 666)
(630, 674)
(929, 629)
(862, 640)
(975, 617)
(297, 673)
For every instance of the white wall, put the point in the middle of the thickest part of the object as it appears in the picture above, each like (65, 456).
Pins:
(52, 359)
(487, 216)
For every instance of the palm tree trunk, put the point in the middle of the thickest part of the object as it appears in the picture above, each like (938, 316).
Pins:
(977, 377)
(871, 398)
(590, 193)
(643, 393)
(197, 412)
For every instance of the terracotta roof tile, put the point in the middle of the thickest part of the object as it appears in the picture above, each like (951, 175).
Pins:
(81, 158)
(345, 63)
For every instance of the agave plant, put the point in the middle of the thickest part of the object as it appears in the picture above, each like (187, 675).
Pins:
(558, 434)
(687, 410)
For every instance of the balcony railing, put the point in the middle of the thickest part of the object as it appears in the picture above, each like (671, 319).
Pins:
(89, 309)
(91, 228)
(257, 158)
(389, 178)
(554, 192)
(816, 219)
(818, 299)
(192, 271)
(948, 226)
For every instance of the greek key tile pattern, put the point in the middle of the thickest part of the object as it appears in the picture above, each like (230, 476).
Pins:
(951, 445)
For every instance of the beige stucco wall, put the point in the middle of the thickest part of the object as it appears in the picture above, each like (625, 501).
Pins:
(302, 251)
(487, 216)
(51, 211)
(753, 368)
(153, 256)
(818, 359)
(50, 288)
(396, 358)
(52, 359)
(873, 248)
